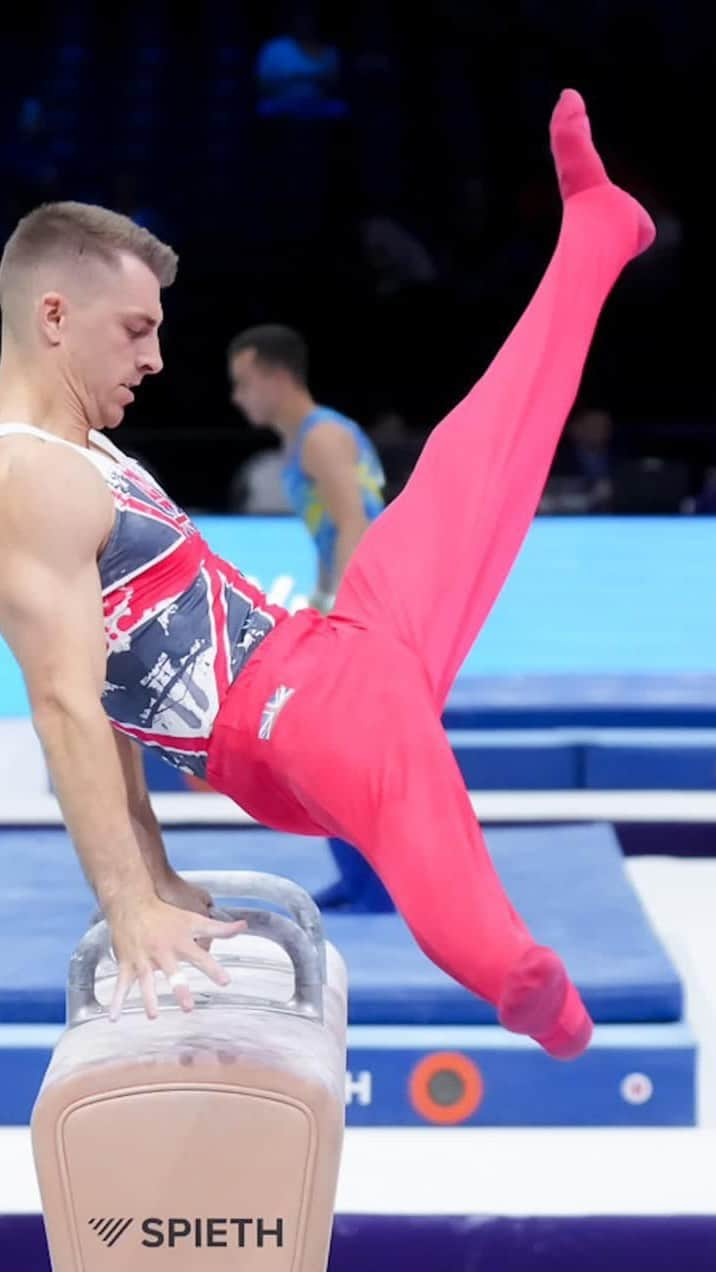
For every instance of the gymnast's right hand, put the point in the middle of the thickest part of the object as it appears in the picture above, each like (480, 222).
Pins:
(147, 935)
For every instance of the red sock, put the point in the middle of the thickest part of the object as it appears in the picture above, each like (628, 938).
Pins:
(578, 165)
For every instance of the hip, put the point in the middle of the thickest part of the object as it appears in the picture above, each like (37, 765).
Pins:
(317, 696)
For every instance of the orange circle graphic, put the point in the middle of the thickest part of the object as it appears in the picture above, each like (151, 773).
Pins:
(446, 1069)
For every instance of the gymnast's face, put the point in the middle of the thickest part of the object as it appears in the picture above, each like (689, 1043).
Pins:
(104, 331)
(256, 387)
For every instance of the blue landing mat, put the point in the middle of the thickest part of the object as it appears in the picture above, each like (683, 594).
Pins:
(537, 701)
(568, 882)
(585, 758)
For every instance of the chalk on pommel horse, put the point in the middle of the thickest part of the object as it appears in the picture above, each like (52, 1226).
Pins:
(208, 1139)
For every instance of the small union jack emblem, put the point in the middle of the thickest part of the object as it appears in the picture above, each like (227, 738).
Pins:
(271, 711)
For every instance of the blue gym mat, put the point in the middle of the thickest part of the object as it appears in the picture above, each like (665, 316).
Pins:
(564, 700)
(568, 882)
(587, 758)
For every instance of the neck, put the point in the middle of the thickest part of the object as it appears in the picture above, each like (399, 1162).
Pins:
(297, 404)
(28, 397)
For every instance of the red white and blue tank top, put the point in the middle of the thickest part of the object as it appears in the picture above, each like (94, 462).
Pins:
(180, 623)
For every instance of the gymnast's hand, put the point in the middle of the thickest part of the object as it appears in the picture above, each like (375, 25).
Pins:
(149, 935)
(186, 896)
(179, 892)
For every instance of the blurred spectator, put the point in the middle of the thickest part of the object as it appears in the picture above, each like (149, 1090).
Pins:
(257, 488)
(302, 120)
(395, 256)
(299, 74)
(582, 477)
(649, 486)
(400, 202)
(704, 504)
(399, 450)
(592, 474)
(591, 433)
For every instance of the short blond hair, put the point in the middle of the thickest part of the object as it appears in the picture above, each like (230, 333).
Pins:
(75, 232)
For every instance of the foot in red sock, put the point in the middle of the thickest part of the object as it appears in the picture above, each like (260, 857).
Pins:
(540, 1000)
(578, 164)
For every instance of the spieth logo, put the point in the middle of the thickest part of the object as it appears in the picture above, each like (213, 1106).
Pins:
(199, 1233)
(110, 1230)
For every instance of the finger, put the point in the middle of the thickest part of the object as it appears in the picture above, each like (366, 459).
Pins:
(178, 983)
(205, 933)
(125, 981)
(207, 964)
(215, 927)
(149, 991)
(219, 929)
(221, 916)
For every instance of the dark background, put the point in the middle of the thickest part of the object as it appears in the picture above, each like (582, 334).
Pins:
(438, 122)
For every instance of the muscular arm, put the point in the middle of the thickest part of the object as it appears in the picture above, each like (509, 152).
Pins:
(54, 513)
(144, 824)
(330, 458)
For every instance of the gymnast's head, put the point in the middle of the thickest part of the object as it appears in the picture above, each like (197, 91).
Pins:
(268, 370)
(81, 309)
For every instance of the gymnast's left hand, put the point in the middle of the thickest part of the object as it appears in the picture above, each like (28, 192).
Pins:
(149, 935)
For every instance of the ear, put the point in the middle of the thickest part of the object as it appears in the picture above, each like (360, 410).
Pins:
(52, 313)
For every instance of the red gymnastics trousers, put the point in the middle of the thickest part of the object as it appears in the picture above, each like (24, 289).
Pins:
(334, 727)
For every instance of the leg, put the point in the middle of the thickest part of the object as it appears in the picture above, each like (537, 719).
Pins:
(389, 784)
(432, 565)
(429, 851)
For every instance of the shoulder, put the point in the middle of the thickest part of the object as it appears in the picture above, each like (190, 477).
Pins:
(329, 437)
(326, 421)
(45, 486)
(28, 461)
